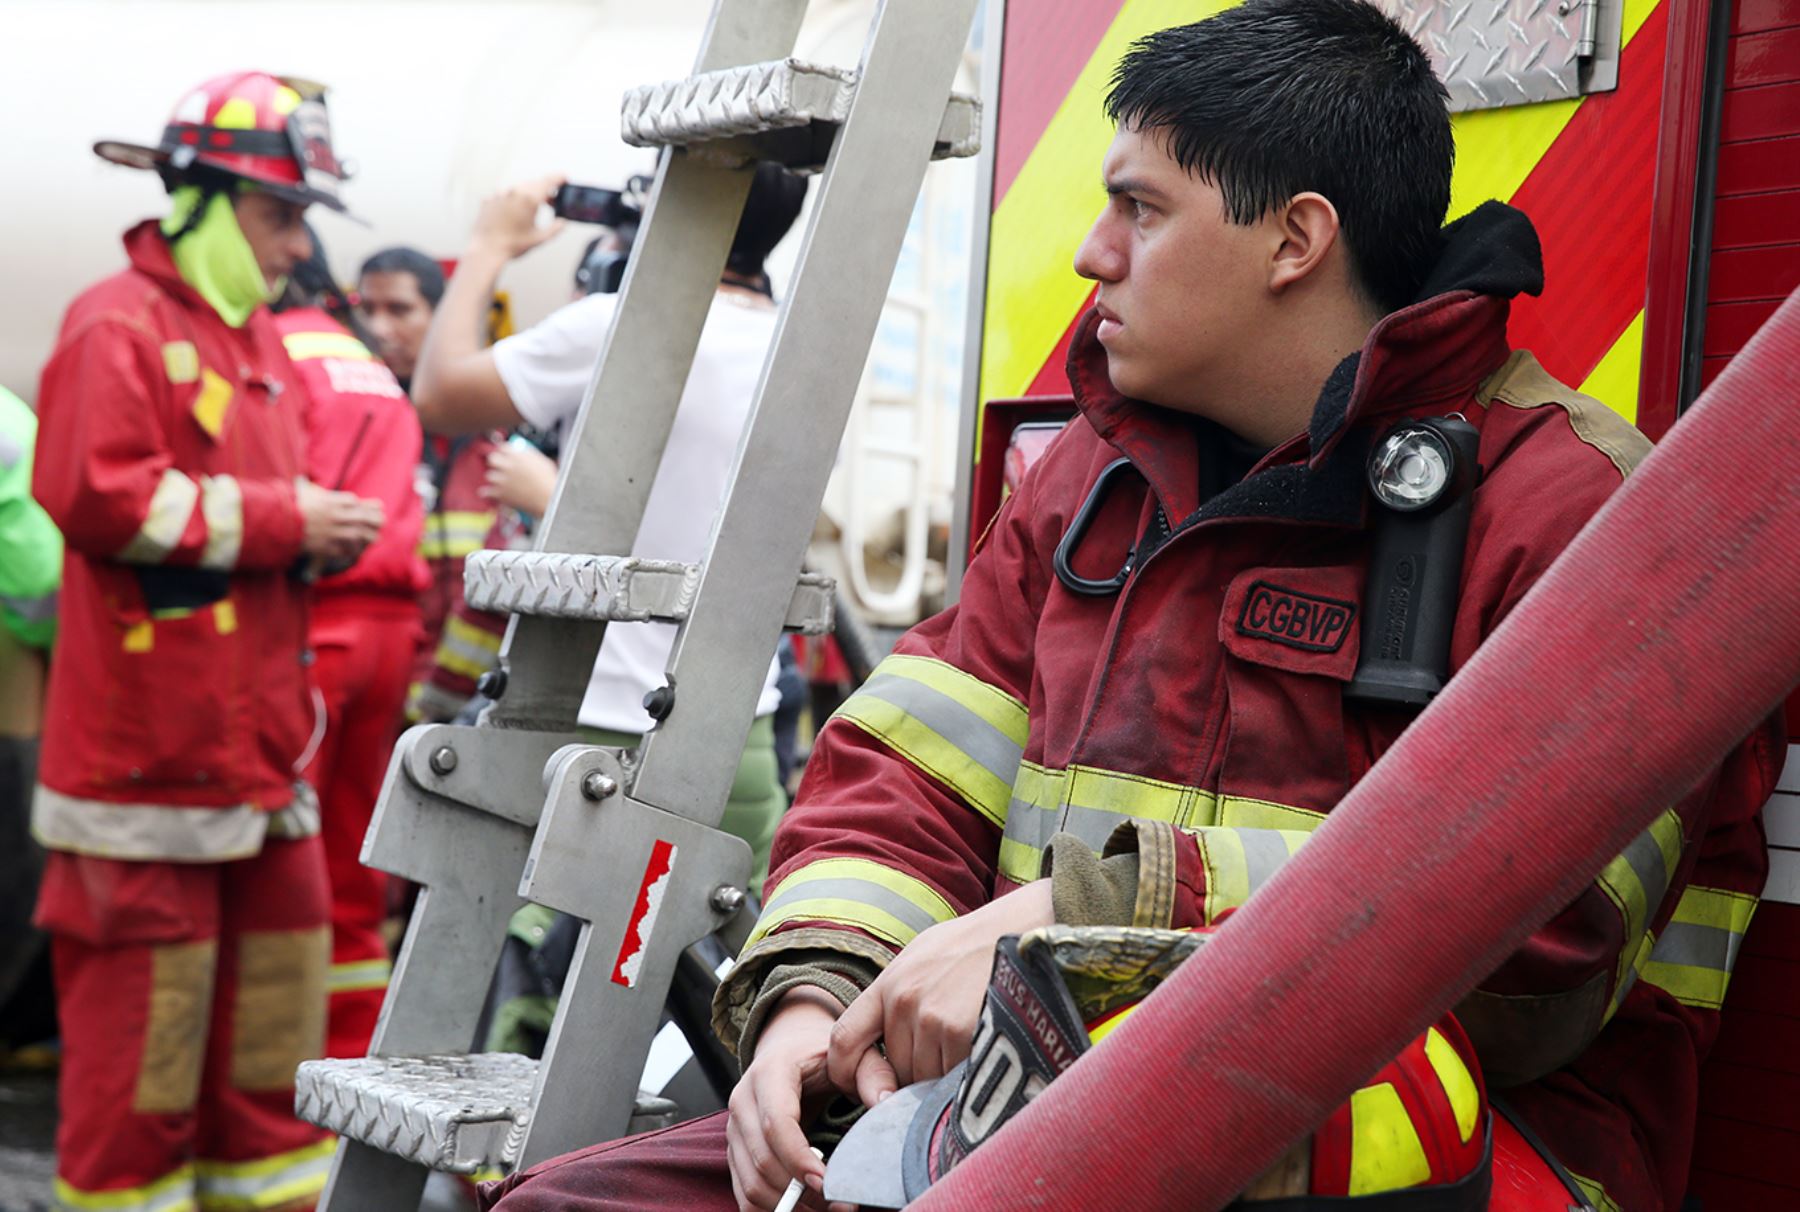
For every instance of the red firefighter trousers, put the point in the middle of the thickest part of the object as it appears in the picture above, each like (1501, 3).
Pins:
(188, 992)
(363, 648)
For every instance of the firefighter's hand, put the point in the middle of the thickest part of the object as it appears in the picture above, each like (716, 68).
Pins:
(765, 1145)
(337, 525)
(522, 477)
(923, 1008)
(507, 224)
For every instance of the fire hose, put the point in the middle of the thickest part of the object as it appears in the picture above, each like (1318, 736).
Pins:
(1659, 639)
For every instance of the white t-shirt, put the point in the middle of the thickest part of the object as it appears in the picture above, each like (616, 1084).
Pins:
(546, 370)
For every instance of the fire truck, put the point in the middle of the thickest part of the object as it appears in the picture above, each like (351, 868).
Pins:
(1655, 144)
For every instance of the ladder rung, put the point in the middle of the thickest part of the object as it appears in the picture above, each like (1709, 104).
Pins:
(461, 1114)
(760, 98)
(618, 589)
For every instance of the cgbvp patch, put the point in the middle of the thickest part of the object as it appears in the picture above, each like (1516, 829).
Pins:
(1298, 620)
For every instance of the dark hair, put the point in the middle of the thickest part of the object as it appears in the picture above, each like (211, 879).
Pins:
(427, 273)
(1277, 97)
(311, 285)
(774, 203)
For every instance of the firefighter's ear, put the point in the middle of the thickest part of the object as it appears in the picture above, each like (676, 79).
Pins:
(1307, 230)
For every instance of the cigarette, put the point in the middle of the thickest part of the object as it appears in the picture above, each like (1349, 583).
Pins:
(790, 1199)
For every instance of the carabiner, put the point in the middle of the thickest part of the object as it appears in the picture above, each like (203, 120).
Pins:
(1084, 517)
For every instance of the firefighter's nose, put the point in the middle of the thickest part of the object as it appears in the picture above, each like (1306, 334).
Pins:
(1098, 259)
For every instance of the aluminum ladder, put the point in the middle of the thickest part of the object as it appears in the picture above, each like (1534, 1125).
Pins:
(515, 808)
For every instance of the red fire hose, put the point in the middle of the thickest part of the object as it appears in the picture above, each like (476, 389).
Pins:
(1659, 639)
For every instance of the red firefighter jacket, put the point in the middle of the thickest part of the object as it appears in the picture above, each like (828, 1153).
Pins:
(1198, 716)
(457, 522)
(362, 436)
(168, 449)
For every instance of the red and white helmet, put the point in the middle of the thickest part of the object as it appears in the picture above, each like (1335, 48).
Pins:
(270, 130)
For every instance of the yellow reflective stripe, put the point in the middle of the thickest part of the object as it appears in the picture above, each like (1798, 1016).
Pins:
(890, 904)
(466, 649)
(1239, 812)
(1459, 1084)
(304, 345)
(1693, 959)
(1385, 1151)
(1595, 1193)
(181, 361)
(960, 730)
(463, 521)
(359, 976)
(468, 633)
(269, 1182)
(222, 505)
(433, 548)
(1637, 880)
(140, 637)
(173, 1192)
(1239, 861)
(171, 505)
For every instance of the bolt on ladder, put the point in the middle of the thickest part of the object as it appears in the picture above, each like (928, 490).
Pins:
(627, 841)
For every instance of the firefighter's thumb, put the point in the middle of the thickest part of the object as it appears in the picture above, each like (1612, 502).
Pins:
(875, 1078)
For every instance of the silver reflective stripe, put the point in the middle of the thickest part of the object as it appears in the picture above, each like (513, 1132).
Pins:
(862, 892)
(273, 1189)
(1646, 860)
(222, 504)
(10, 452)
(1697, 946)
(40, 609)
(146, 831)
(979, 740)
(1264, 853)
(1030, 825)
(171, 505)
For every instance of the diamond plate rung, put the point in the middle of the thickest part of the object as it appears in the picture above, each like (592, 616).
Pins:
(760, 98)
(458, 1113)
(618, 589)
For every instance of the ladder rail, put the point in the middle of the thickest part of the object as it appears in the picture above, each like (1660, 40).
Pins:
(808, 383)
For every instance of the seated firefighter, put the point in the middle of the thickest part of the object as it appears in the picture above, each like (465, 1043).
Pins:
(1274, 293)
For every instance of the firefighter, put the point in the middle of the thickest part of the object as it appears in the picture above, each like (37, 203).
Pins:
(363, 437)
(398, 293)
(1142, 730)
(185, 893)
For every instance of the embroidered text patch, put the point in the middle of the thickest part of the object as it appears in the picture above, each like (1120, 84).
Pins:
(1298, 620)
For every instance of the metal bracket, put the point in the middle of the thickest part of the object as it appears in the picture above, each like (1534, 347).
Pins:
(1494, 53)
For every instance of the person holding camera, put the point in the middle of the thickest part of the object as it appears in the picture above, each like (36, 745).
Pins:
(540, 377)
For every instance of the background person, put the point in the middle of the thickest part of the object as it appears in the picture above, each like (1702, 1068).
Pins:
(540, 376)
(362, 437)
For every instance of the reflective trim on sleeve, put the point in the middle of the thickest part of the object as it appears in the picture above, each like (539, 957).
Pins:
(171, 505)
(173, 1192)
(39, 609)
(467, 650)
(953, 726)
(454, 534)
(1693, 958)
(282, 1181)
(222, 504)
(890, 904)
(1596, 1194)
(1636, 882)
(304, 345)
(359, 976)
(167, 832)
(1239, 861)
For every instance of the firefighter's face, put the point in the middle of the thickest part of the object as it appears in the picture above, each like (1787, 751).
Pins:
(1181, 288)
(398, 315)
(276, 230)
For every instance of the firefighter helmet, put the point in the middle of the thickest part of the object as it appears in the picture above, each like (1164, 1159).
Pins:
(269, 130)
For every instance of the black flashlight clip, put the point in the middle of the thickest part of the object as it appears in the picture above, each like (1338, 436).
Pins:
(1409, 603)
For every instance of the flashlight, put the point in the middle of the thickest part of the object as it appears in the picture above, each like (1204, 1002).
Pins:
(1422, 474)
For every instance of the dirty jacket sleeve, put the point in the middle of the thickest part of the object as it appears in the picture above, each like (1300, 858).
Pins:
(896, 826)
(106, 474)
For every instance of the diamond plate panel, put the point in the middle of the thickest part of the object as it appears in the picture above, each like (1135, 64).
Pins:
(762, 97)
(460, 1114)
(1493, 53)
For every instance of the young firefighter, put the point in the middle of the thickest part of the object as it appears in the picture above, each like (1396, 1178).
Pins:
(185, 891)
(1273, 293)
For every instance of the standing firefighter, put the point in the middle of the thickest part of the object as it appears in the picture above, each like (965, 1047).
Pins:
(185, 892)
